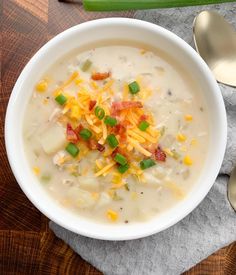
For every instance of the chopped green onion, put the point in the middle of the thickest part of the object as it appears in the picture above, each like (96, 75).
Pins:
(116, 5)
(120, 159)
(86, 65)
(75, 174)
(61, 99)
(111, 121)
(112, 141)
(175, 154)
(147, 163)
(123, 168)
(85, 134)
(99, 112)
(72, 149)
(127, 187)
(143, 125)
(162, 131)
(134, 87)
(46, 178)
(116, 197)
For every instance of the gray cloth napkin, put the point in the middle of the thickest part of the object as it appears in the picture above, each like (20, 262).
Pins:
(209, 227)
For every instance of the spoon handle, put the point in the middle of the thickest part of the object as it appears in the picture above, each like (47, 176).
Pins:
(112, 5)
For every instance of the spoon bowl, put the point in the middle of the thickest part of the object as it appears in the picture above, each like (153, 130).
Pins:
(215, 41)
(232, 189)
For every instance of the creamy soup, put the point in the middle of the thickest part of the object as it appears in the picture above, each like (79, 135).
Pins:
(116, 133)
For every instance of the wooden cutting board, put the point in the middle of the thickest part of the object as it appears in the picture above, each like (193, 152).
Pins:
(27, 246)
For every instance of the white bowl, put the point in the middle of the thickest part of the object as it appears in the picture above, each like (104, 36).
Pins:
(90, 32)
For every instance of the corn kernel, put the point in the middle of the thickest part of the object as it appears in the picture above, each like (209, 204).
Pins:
(112, 215)
(193, 142)
(75, 112)
(187, 160)
(95, 195)
(36, 170)
(142, 51)
(117, 179)
(134, 195)
(188, 117)
(41, 86)
(183, 148)
(181, 138)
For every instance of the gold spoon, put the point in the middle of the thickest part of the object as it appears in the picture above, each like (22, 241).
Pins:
(215, 41)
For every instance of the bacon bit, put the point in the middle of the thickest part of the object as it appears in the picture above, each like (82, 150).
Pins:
(120, 129)
(123, 137)
(92, 144)
(159, 154)
(78, 129)
(113, 154)
(70, 134)
(143, 118)
(100, 76)
(92, 103)
(100, 147)
(123, 105)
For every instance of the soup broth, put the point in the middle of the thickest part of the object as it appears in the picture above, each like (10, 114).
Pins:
(116, 133)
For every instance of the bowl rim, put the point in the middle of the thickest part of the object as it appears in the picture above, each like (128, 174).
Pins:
(100, 23)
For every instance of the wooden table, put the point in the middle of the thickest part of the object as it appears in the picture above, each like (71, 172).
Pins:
(27, 246)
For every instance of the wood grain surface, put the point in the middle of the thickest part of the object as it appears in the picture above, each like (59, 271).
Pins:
(27, 246)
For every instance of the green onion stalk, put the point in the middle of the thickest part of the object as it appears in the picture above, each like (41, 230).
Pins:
(116, 5)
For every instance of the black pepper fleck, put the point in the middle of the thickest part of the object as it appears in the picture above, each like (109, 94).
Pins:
(141, 193)
(121, 208)
(126, 221)
(201, 109)
(169, 92)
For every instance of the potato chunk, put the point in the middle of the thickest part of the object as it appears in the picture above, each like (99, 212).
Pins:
(81, 198)
(53, 139)
(104, 199)
(88, 182)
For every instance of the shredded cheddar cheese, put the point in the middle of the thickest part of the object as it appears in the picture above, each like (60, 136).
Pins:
(98, 163)
(104, 130)
(105, 169)
(145, 135)
(66, 83)
(137, 146)
(136, 136)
